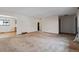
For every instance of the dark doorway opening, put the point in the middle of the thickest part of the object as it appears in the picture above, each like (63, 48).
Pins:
(38, 26)
(76, 25)
(59, 26)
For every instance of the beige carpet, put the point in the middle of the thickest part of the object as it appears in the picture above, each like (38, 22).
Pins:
(36, 42)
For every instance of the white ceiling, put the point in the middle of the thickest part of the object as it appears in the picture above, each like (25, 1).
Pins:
(39, 11)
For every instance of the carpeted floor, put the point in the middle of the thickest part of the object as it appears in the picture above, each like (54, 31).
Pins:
(36, 42)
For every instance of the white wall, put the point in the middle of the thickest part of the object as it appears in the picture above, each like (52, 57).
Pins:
(68, 24)
(50, 24)
(26, 24)
(29, 24)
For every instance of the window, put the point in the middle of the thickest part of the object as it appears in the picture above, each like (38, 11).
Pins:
(1, 22)
(4, 22)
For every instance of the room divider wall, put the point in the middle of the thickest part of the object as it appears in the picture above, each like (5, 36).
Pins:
(44, 24)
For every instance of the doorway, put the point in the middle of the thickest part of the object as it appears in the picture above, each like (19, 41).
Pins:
(68, 25)
(38, 26)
